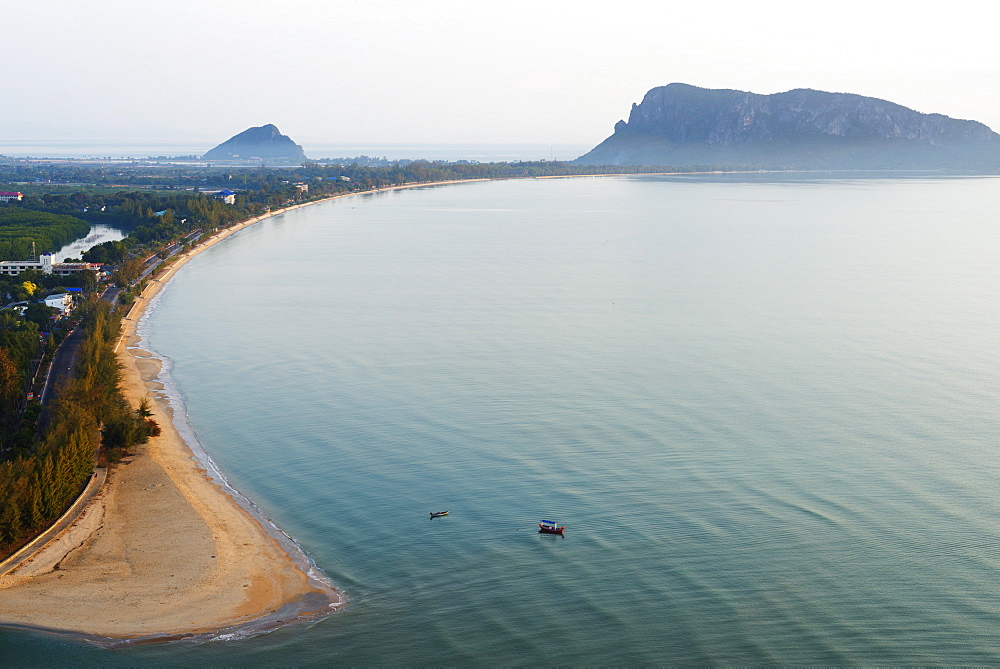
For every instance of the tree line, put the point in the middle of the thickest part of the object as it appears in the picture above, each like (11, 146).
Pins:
(172, 204)
(24, 233)
(35, 177)
(92, 420)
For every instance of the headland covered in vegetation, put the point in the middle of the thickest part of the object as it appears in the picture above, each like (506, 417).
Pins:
(164, 550)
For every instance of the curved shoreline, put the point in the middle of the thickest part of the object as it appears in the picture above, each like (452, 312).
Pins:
(201, 562)
(91, 582)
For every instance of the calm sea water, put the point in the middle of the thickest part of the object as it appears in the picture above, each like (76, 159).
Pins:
(766, 410)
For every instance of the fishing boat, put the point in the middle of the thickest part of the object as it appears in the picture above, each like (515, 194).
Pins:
(438, 514)
(550, 527)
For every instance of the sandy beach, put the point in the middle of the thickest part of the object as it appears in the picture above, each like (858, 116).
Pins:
(163, 551)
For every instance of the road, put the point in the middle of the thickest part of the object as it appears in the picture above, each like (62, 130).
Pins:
(61, 371)
(63, 366)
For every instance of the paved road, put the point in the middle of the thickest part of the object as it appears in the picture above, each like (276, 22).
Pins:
(110, 294)
(60, 372)
(63, 364)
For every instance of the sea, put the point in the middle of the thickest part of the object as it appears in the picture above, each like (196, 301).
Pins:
(764, 406)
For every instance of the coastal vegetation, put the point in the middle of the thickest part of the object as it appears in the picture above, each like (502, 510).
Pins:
(66, 187)
(23, 232)
(91, 421)
(20, 347)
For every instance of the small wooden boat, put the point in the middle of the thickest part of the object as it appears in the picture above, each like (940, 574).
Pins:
(438, 514)
(550, 527)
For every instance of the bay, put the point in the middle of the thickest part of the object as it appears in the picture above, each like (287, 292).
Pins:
(765, 408)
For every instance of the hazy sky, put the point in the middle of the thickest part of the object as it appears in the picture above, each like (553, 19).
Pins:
(442, 71)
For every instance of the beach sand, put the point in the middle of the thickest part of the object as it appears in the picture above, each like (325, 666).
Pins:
(163, 551)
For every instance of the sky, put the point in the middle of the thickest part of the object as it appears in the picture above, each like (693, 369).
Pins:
(461, 72)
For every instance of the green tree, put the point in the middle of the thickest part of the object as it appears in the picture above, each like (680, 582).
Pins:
(127, 272)
(40, 315)
(10, 520)
(11, 383)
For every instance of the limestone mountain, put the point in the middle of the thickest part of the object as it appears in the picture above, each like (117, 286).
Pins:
(260, 143)
(683, 125)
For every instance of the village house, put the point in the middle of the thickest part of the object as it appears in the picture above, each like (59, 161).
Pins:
(227, 196)
(61, 301)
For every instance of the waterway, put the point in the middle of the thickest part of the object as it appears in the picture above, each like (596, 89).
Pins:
(98, 235)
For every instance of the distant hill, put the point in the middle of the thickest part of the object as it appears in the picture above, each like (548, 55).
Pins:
(684, 126)
(264, 142)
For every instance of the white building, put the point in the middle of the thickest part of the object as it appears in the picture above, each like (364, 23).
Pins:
(61, 301)
(227, 196)
(7, 196)
(46, 265)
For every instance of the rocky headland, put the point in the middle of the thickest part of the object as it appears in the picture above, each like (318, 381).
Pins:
(261, 143)
(684, 126)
